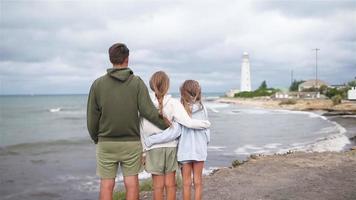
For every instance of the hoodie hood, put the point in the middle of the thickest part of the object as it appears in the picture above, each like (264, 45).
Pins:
(197, 107)
(120, 74)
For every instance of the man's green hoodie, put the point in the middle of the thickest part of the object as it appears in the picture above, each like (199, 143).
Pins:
(115, 103)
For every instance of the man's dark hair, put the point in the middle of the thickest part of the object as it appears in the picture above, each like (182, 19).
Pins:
(118, 53)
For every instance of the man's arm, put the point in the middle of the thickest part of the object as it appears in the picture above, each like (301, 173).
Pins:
(147, 108)
(93, 115)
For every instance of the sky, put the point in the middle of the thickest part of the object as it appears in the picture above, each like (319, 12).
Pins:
(60, 47)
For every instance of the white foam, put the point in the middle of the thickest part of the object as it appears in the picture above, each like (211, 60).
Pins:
(272, 145)
(310, 114)
(249, 146)
(209, 170)
(215, 106)
(349, 116)
(255, 111)
(216, 148)
(55, 109)
(335, 140)
(241, 151)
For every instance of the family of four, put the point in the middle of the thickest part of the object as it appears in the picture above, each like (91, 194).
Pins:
(137, 129)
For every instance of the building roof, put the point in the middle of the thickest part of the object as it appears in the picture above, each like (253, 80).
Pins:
(311, 83)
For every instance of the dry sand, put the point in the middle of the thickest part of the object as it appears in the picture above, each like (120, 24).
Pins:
(301, 104)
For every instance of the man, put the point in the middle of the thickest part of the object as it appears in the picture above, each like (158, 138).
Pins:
(114, 102)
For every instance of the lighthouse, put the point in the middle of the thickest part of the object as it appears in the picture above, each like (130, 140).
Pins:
(245, 73)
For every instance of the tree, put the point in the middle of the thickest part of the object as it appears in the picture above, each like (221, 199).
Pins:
(295, 85)
(263, 86)
(352, 83)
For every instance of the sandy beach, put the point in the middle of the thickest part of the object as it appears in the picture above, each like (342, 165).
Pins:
(300, 104)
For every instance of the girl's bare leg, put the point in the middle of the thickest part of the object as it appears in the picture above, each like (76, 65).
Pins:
(170, 185)
(198, 179)
(187, 180)
(158, 186)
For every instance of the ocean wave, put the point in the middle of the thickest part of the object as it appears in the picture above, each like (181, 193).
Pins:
(336, 140)
(68, 110)
(54, 110)
(310, 114)
(254, 111)
(51, 143)
(216, 148)
(216, 106)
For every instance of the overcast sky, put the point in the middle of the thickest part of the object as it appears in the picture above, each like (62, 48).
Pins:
(61, 47)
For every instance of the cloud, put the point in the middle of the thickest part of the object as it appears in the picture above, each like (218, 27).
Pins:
(65, 43)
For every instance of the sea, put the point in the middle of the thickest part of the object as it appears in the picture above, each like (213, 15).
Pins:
(46, 152)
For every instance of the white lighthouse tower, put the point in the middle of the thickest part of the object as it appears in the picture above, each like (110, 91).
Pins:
(245, 73)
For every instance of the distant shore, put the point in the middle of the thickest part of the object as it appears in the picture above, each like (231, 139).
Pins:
(346, 107)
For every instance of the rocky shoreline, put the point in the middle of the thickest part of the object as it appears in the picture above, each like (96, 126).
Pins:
(328, 175)
(294, 175)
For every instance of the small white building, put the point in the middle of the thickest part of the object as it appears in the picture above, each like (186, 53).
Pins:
(232, 92)
(351, 94)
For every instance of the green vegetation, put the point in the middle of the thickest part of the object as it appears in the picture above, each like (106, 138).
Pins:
(335, 94)
(331, 92)
(236, 163)
(352, 83)
(263, 90)
(146, 185)
(336, 99)
(295, 85)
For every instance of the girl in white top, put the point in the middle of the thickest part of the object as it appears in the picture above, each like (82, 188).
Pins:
(161, 159)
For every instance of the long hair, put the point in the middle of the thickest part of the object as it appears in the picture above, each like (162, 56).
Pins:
(190, 92)
(159, 84)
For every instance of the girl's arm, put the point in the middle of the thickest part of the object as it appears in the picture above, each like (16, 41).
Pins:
(207, 131)
(181, 116)
(167, 135)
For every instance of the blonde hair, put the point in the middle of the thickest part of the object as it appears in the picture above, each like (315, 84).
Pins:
(190, 92)
(159, 84)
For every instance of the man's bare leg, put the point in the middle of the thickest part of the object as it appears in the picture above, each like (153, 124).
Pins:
(132, 187)
(106, 188)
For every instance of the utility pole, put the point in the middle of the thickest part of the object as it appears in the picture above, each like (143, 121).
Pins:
(291, 77)
(316, 66)
(316, 72)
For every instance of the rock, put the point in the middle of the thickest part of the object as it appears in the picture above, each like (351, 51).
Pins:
(353, 148)
(253, 156)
